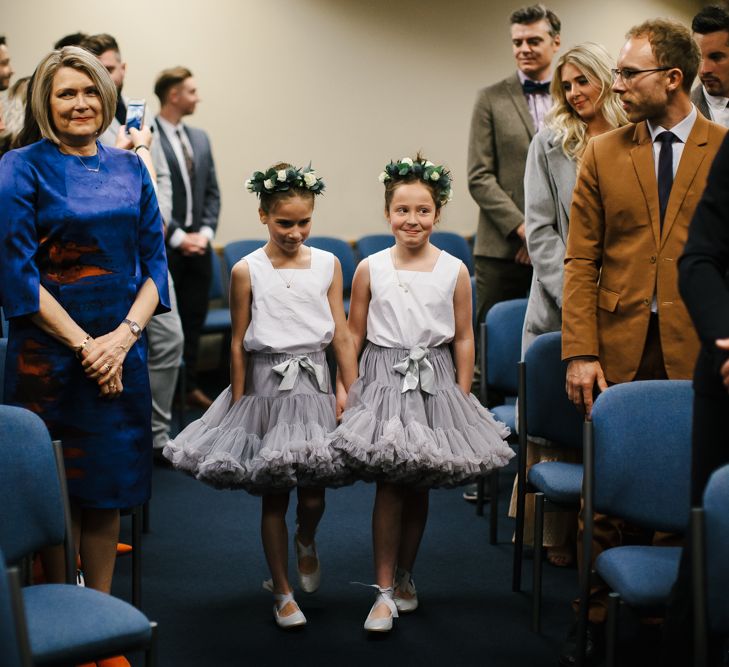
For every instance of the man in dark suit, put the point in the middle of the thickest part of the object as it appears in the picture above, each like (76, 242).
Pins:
(711, 32)
(195, 209)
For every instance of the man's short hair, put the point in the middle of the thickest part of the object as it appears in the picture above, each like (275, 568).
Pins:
(168, 79)
(711, 19)
(534, 13)
(99, 44)
(672, 46)
(2, 40)
(74, 39)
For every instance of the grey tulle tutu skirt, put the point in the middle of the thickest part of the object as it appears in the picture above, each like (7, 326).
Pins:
(443, 438)
(270, 439)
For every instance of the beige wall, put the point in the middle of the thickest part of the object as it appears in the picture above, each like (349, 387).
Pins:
(347, 84)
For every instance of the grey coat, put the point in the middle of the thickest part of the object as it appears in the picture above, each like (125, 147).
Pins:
(501, 129)
(697, 97)
(548, 184)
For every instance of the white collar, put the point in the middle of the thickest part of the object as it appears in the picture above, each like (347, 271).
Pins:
(716, 101)
(168, 127)
(681, 129)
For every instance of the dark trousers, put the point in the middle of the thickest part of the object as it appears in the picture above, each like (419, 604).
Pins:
(192, 275)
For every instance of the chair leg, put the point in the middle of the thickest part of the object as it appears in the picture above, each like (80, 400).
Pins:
(150, 655)
(537, 578)
(182, 390)
(494, 518)
(480, 495)
(611, 631)
(137, 557)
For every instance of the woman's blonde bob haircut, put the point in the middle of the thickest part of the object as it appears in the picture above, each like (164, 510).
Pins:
(595, 63)
(83, 61)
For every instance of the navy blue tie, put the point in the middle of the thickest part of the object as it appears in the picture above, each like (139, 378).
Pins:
(535, 87)
(665, 170)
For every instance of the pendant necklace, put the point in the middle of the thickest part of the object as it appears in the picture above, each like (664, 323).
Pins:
(281, 275)
(91, 169)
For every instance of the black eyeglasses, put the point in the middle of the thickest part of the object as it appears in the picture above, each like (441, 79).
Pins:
(627, 74)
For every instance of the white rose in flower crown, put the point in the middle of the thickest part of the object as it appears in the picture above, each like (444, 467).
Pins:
(434, 176)
(406, 160)
(428, 163)
(268, 184)
(310, 179)
(382, 177)
(249, 185)
(281, 175)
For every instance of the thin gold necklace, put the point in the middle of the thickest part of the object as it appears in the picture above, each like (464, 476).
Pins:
(91, 169)
(405, 287)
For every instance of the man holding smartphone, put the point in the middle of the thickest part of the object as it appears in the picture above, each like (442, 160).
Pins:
(164, 332)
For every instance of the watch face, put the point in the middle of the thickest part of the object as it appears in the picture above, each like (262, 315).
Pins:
(136, 330)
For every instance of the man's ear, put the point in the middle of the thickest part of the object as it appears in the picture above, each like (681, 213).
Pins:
(675, 78)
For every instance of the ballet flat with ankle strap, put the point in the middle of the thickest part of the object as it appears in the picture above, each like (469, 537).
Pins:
(384, 624)
(309, 583)
(280, 600)
(404, 584)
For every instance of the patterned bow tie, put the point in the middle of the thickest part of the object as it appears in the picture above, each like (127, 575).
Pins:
(532, 87)
(417, 371)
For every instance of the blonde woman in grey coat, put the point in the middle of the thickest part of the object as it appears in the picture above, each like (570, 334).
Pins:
(584, 107)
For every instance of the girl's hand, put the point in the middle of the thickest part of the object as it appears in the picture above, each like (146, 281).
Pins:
(104, 356)
(341, 400)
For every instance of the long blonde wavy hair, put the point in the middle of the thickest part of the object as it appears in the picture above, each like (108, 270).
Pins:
(595, 63)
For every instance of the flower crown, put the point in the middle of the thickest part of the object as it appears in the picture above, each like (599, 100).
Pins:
(438, 176)
(281, 180)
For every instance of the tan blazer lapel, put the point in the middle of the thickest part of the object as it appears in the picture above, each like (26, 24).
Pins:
(645, 168)
(694, 153)
(513, 85)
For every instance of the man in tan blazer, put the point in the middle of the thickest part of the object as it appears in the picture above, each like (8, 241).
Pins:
(505, 118)
(638, 186)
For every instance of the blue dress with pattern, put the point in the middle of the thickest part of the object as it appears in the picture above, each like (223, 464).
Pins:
(91, 239)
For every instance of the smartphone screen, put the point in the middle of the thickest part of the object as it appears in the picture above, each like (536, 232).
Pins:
(135, 114)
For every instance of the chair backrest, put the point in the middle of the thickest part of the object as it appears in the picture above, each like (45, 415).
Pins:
(456, 245)
(216, 282)
(4, 324)
(642, 442)
(3, 354)
(716, 527)
(549, 413)
(372, 243)
(504, 322)
(234, 251)
(31, 507)
(342, 251)
(11, 653)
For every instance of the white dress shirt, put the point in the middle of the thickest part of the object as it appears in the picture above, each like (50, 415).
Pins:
(717, 108)
(539, 103)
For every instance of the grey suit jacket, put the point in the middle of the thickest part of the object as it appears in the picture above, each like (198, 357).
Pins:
(205, 193)
(697, 97)
(549, 181)
(501, 129)
(164, 184)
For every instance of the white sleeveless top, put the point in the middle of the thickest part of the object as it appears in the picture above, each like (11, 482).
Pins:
(409, 308)
(295, 319)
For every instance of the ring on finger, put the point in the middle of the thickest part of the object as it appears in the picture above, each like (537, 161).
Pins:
(107, 367)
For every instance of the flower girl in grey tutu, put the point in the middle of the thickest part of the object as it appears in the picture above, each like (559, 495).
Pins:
(267, 432)
(410, 421)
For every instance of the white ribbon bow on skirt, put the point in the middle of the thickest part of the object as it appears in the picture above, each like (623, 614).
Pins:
(289, 369)
(417, 370)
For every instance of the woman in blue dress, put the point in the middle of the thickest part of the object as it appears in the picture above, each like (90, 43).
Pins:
(82, 270)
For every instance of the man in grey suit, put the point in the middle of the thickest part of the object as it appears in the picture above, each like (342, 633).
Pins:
(195, 210)
(506, 116)
(711, 32)
(164, 331)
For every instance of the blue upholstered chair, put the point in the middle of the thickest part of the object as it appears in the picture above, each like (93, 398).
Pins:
(372, 243)
(67, 624)
(637, 454)
(218, 319)
(14, 646)
(544, 412)
(342, 251)
(710, 544)
(456, 245)
(237, 250)
(499, 354)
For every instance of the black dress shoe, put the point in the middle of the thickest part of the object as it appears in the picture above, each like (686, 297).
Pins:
(594, 645)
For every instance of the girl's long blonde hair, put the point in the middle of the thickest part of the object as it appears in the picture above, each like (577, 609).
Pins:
(595, 63)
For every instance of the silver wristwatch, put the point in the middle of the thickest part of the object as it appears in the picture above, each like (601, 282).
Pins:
(135, 328)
